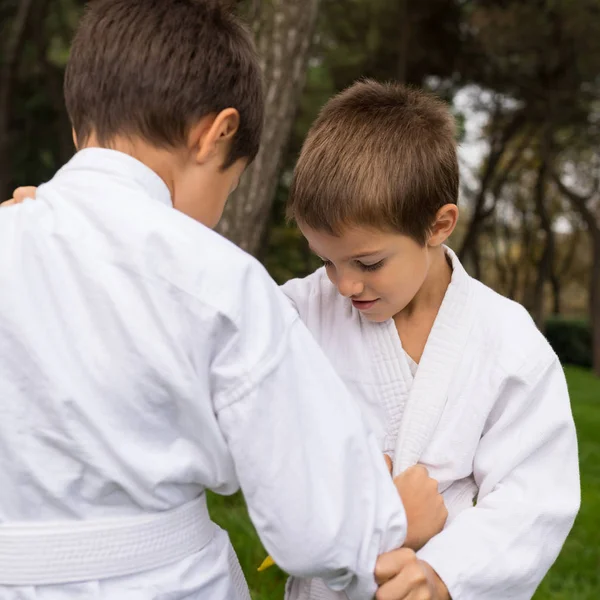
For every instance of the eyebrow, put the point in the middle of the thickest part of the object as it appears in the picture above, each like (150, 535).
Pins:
(365, 255)
(354, 257)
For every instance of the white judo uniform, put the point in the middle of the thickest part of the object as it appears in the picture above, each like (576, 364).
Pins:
(487, 412)
(143, 360)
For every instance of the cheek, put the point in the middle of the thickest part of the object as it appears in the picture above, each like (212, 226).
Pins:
(398, 284)
(330, 270)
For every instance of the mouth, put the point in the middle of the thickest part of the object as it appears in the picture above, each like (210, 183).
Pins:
(364, 304)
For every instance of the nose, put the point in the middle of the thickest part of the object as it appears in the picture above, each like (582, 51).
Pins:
(349, 286)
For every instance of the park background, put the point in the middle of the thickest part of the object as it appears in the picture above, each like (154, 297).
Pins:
(523, 80)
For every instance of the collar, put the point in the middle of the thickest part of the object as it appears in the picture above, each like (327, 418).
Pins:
(114, 163)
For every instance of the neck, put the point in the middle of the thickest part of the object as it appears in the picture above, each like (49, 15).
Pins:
(431, 294)
(157, 159)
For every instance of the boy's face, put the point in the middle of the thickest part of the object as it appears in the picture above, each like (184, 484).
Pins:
(381, 272)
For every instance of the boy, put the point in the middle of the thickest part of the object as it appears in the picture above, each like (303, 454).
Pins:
(447, 372)
(144, 359)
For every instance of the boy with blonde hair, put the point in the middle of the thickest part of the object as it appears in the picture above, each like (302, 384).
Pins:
(447, 373)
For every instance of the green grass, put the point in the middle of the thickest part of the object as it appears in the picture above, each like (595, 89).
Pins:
(230, 513)
(576, 574)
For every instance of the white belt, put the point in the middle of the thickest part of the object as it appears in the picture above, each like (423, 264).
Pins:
(49, 553)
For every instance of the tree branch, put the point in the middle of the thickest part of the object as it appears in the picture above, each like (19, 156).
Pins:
(580, 202)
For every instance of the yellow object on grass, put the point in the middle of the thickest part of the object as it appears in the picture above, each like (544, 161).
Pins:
(268, 562)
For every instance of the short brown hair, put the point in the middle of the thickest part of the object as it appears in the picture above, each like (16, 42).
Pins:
(381, 155)
(151, 68)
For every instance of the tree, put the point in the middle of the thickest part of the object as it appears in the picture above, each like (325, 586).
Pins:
(283, 31)
(14, 41)
(588, 206)
(503, 128)
(35, 133)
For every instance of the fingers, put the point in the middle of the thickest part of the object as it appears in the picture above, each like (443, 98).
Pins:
(418, 475)
(423, 503)
(24, 192)
(419, 469)
(20, 194)
(410, 584)
(391, 563)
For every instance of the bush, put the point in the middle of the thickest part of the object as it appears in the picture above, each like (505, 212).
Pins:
(571, 339)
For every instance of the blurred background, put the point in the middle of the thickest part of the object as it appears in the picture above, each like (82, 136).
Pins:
(522, 78)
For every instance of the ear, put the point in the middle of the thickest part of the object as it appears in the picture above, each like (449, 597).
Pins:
(212, 136)
(444, 224)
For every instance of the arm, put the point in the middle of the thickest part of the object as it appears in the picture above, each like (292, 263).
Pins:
(317, 489)
(526, 468)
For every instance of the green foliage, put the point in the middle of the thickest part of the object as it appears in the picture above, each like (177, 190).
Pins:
(571, 339)
(39, 134)
(575, 575)
(289, 255)
(286, 254)
(361, 38)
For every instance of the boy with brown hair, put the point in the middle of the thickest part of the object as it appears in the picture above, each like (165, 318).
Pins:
(447, 373)
(144, 359)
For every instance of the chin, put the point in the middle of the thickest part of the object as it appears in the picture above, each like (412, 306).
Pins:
(377, 318)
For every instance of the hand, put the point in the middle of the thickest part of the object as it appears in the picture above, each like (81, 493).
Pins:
(20, 194)
(426, 513)
(400, 575)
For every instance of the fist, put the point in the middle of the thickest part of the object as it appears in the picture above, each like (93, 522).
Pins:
(20, 194)
(426, 513)
(400, 575)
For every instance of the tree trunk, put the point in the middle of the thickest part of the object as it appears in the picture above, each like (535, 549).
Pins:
(529, 261)
(520, 265)
(556, 295)
(566, 265)
(473, 258)
(545, 265)
(283, 31)
(8, 68)
(500, 258)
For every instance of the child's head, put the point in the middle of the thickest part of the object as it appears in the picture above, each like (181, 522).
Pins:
(175, 82)
(375, 192)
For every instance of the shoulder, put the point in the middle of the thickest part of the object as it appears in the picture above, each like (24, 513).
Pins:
(186, 257)
(510, 333)
(313, 294)
(502, 329)
(232, 280)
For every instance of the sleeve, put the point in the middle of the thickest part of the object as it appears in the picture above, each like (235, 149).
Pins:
(314, 479)
(526, 468)
(297, 292)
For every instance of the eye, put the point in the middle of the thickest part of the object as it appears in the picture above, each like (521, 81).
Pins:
(372, 267)
(326, 263)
